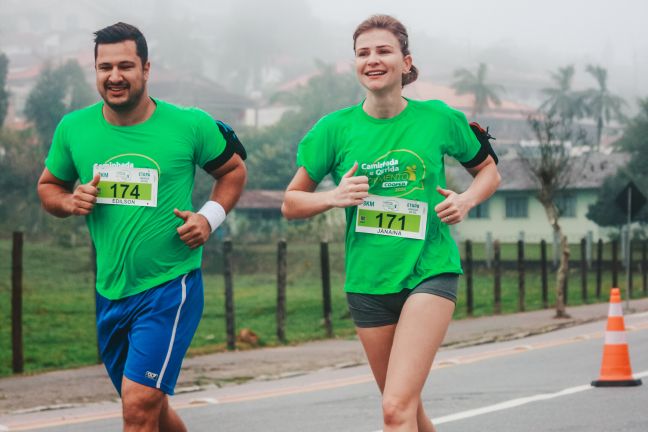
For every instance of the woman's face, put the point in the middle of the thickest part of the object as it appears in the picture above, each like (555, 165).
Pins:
(379, 61)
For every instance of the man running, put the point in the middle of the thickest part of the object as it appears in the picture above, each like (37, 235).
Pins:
(135, 159)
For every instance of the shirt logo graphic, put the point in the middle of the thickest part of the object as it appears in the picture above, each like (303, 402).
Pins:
(398, 173)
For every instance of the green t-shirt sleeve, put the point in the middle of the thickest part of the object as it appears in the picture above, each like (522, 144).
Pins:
(316, 151)
(463, 145)
(59, 158)
(209, 142)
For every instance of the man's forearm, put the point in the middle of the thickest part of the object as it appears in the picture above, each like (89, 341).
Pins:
(54, 199)
(229, 187)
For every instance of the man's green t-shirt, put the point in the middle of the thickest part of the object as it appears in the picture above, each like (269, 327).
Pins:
(403, 157)
(138, 247)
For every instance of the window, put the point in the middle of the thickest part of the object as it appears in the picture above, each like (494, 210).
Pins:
(479, 212)
(566, 204)
(517, 207)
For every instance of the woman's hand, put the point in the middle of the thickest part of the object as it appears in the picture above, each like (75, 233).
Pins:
(351, 191)
(453, 208)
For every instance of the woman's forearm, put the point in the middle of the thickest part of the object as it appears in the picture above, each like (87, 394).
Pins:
(301, 204)
(484, 184)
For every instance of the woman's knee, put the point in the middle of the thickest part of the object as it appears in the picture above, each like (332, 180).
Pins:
(398, 410)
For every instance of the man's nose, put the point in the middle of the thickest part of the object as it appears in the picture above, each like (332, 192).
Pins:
(115, 75)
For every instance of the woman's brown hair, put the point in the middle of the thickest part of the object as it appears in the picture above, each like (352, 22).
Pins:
(396, 28)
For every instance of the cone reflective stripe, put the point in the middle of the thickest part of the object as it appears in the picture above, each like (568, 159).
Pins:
(615, 368)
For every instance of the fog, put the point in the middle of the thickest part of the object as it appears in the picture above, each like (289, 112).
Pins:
(253, 46)
(534, 36)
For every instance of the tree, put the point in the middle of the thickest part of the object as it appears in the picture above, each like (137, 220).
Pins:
(20, 169)
(552, 167)
(476, 85)
(271, 160)
(4, 94)
(604, 211)
(57, 92)
(634, 141)
(562, 101)
(602, 105)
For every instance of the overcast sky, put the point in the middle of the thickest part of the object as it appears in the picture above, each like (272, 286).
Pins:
(594, 28)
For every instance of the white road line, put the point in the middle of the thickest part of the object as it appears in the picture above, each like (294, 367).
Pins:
(515, 403)
(509, 404)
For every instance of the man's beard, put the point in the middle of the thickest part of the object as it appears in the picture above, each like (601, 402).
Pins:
(129, 104)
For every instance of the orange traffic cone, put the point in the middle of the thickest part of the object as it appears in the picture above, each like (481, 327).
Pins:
(616, 370)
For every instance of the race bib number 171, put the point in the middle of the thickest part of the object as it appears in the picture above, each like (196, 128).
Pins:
(392, 217)
(121, 185)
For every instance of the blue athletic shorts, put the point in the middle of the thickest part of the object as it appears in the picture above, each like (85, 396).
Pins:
(144, 337)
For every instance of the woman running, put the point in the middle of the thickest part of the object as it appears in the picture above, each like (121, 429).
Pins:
(386, 156)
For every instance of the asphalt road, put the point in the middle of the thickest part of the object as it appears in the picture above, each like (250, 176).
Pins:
(540, 383)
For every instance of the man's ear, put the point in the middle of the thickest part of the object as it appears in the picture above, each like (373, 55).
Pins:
(146, 68)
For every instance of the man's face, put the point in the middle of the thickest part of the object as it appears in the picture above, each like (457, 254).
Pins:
(121, 77)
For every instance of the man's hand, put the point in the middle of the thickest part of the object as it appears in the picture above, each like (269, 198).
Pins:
(195, 231)
(83, 199)
(351, 191)
(453, 208)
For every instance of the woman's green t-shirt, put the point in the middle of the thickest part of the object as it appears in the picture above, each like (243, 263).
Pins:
(403, 157)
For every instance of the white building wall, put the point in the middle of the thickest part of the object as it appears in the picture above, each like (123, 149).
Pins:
(535, 227)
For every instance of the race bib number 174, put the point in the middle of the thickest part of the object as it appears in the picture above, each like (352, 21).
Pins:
(121, 185)
(392, 217)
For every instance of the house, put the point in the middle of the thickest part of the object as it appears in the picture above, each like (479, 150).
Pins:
(514, 209)
(193, 90)
(260, 204)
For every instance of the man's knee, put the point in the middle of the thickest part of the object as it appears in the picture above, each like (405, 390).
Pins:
(141, 404)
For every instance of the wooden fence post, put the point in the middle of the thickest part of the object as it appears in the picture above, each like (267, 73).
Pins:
(469, 278)
(497, 306)
(16, 302)
(488, 249)
(644, 270)
(615, 280)
(543, 274)
(599, 267)
(281, 290)
(629, 268)
(229, 295)
(326, 287)
(520, 266)
(566, 293)
(583, 269)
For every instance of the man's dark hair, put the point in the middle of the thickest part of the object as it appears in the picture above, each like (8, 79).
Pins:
(122, 32)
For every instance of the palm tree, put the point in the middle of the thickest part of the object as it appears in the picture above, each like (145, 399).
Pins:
(561, 101)
(476, 85)
(602, 105)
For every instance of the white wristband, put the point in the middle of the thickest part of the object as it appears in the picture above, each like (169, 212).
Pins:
(214, 213)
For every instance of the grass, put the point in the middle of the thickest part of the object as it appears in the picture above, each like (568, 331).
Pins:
(58, 300)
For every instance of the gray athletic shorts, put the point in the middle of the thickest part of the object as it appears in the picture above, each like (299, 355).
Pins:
(376, 310)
